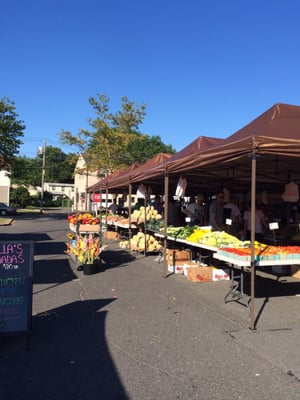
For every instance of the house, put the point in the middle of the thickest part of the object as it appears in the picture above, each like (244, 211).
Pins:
(64, 190)
(83, 178)
(4, 185)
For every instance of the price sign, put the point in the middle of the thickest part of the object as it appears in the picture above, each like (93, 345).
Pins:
(273, 226)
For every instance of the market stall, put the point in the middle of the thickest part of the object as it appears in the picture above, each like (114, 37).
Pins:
(262, 156)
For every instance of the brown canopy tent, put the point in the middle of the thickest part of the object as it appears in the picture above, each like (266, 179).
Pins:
(104, 183)
(124, 180)
(154, 176)
(265, 154)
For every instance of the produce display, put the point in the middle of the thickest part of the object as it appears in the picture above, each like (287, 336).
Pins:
(262, 252)
(215, 239)
(141, 242)
(204, 235)
(145, 214)
(225, 244)
(83, 218)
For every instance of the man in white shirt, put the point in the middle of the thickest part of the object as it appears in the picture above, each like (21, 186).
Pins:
(195, 210)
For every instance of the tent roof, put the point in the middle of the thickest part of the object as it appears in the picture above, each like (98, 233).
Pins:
(192, 150)
(276, 131)
(273, 138)
(279, 121)
(103, 184)
(124, 180)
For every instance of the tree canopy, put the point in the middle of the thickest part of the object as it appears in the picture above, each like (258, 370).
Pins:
(59, 167)
(115, 141)
(11, 130)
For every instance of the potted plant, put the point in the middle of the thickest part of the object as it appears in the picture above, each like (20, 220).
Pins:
(86, 248)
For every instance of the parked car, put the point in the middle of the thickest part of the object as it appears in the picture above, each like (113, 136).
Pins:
(7, 210)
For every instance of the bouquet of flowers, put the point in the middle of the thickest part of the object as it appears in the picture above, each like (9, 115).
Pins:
(86, 248)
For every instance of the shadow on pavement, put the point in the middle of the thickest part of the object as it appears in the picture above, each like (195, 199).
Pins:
(269, 287)
(68, 357)
(24, 236)
(52, 271)
(117, 258)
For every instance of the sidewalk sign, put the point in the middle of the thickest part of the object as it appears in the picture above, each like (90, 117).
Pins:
(16, 272)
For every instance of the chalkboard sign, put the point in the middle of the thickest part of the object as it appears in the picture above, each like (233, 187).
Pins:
(16, 271)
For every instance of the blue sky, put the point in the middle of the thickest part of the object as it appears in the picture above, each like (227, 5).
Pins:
(203, 68)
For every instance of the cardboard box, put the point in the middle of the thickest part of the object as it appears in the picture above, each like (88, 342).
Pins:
(219, 274)
(188, 264)
(89, 228)
(207, 274)
(175, 269)
(111, 235)
(199, 274)
(295, 271)
(177, 257)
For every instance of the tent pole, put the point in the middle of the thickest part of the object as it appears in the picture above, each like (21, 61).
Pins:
(106, 205)
(166, 224)
(129, 215)
(145, 224)
(252, 239)
(100, 217)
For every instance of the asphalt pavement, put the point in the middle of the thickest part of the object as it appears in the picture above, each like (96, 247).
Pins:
(128, 333)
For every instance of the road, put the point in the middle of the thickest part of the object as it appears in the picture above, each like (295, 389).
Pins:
(127, 333)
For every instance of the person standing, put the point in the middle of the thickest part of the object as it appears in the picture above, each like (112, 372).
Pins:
(260, 223)
(195, 210)
(216, 212)
(172, 212)
(157, 204)
(232, 211)
(114, 207)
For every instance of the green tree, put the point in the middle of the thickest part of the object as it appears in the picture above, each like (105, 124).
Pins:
(107, 145)
(26, 171)
(20, 197)
(147, 147)
(59, 167)
(11, 130)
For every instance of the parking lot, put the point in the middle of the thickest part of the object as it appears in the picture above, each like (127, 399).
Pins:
(128, 333)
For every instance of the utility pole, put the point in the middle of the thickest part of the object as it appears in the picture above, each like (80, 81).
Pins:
(42, 150)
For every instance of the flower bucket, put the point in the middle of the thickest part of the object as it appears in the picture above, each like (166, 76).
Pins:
(89, 269)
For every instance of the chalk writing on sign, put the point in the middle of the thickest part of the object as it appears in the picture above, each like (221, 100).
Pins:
(11, 255)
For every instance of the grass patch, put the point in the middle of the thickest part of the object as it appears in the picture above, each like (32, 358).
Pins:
(28, 210)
